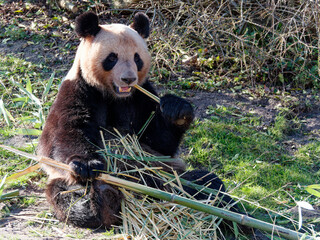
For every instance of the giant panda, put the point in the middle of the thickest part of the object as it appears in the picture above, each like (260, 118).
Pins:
(97, 94)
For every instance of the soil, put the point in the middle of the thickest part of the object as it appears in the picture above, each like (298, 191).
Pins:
(24, 223)
(266, 109)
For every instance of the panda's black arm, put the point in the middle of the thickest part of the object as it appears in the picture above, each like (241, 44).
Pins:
(72, 129)
(165, 131)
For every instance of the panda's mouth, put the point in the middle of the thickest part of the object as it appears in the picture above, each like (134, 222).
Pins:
(122, 91)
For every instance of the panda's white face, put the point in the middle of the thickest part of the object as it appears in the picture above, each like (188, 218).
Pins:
(114, 60)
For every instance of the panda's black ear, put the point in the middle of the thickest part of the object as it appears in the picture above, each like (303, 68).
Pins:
(141, 24)
(87, 24)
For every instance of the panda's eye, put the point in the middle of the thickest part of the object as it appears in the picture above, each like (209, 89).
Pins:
(138, 61)
(110, 61)
(137, 57)
(112, 57)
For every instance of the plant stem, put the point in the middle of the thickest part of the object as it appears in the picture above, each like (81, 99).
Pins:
(222, 213)
(154, 97)
(5, 196)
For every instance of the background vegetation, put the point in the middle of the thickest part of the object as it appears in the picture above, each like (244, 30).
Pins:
(263, 51)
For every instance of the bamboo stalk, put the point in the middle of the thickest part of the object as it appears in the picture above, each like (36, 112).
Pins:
(54, 163)
(8, 195)
(222, 213)
(154, 97)
(187, 183)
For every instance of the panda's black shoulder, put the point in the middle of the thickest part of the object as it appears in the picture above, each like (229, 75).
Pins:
(143, 101)
(76, 95)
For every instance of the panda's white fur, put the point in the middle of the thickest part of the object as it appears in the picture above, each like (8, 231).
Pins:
(92, 51)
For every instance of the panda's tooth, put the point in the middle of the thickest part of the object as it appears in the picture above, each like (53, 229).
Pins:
(124, 89)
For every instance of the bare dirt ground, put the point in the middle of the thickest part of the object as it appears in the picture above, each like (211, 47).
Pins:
(266, 108)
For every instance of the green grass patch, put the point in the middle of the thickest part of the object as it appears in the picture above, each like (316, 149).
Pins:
(11, 163)
(14, 32)
(252, 162)
(27, 92)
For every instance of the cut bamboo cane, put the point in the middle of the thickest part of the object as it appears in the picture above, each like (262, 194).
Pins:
(8, 195)
(154, 97)
(222, 213)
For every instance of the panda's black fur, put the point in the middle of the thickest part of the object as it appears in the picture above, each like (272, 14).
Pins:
(87, 103)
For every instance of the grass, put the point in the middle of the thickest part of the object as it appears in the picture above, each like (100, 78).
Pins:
(233, 50)
(25, 100)
(175, 227)
(252, 162)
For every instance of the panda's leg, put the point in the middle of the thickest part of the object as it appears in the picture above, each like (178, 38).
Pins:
(93, 205)
(205, 178)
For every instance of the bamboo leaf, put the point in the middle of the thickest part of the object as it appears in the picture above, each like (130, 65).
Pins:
(29, 86)
(24, 172)
(305, 205)
(300, 217)
(25, 131)
(146, 124)
(20, 99)
(236, 230)
(315, 186)
(48, 86)
(5, 113)
(32, 97)
(313, 191)
(3, 181)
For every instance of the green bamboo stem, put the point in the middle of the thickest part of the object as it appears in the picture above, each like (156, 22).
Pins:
(8, 195)
(222, 213)
(154, 97)
(187, 183)
(156, 193)
(138, 158)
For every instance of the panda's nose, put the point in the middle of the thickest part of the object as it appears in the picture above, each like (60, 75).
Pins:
(128, 80)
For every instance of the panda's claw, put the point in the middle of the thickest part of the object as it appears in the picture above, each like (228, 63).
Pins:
(86, 169)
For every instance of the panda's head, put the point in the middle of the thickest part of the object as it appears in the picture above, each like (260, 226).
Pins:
(112, 57)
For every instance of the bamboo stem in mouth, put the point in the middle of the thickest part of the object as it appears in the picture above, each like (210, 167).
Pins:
(154, 97)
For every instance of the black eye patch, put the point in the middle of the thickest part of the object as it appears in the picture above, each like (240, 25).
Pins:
(138, 61)
(110, 61)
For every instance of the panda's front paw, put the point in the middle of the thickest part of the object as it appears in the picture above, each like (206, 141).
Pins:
(85, 169)
(176, 110)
